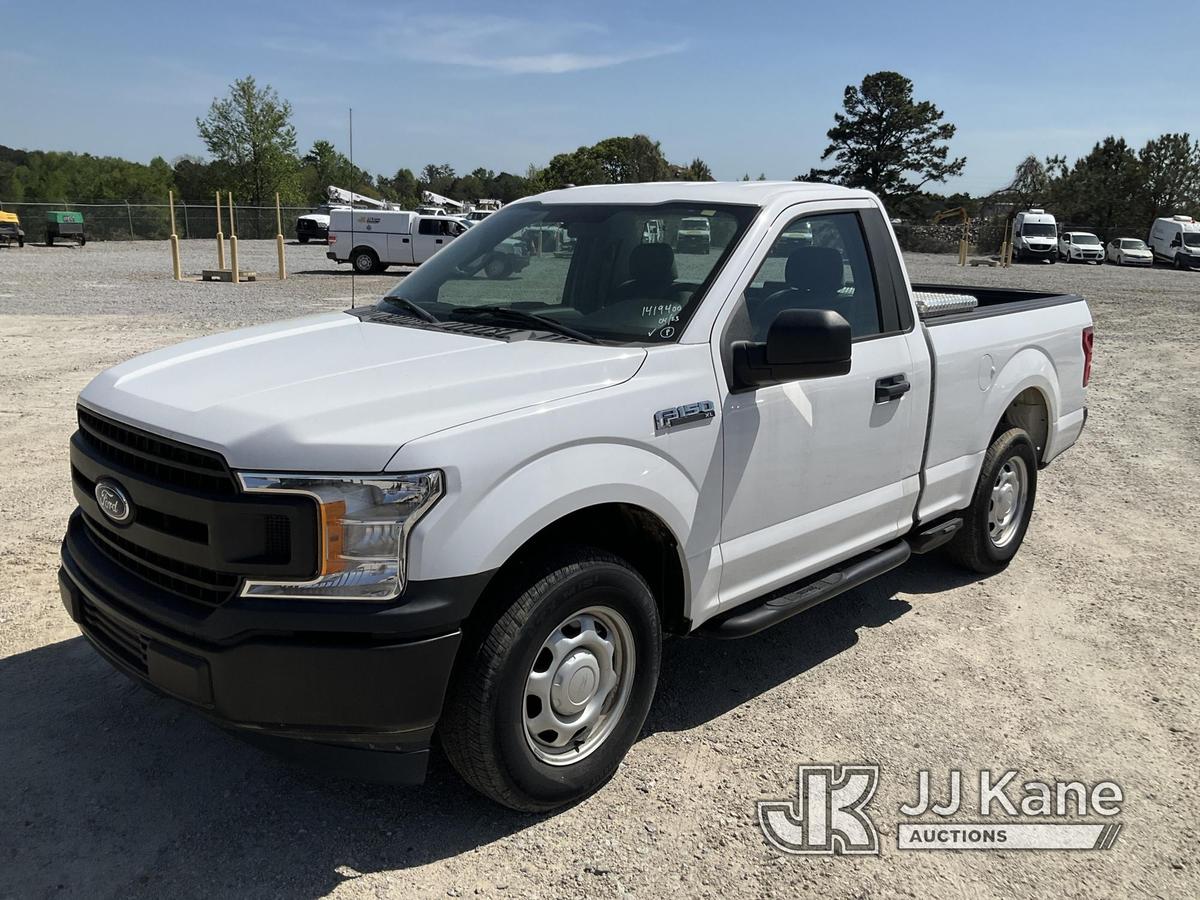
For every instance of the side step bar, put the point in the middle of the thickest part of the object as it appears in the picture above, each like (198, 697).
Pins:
(743, 623)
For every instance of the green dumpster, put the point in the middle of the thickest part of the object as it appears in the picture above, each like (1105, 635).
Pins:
(65, 224)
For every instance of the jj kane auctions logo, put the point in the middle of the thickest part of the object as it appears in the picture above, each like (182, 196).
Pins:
(829, 814)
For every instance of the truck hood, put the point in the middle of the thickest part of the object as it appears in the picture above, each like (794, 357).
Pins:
(333, 393)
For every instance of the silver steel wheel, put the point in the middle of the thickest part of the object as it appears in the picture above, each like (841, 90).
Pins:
(1006, 506)
(579, 685)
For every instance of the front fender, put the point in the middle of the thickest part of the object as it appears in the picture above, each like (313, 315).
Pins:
(479, 532)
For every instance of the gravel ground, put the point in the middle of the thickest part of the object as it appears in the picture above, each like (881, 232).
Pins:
(1079, 661)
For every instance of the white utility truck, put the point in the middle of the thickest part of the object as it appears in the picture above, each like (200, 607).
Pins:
(1035, 236)
(1176, 240)
(373, 239)
(472, 512)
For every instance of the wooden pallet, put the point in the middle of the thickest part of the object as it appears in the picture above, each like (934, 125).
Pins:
(226, 275)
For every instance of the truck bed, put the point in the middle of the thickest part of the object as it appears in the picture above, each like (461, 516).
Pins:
(1013, 342)
(991, 301)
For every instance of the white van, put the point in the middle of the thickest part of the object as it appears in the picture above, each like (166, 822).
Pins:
(373, 239)
(1177, 241)
(1035, 236)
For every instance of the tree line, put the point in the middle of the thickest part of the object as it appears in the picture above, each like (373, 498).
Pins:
(883, 139)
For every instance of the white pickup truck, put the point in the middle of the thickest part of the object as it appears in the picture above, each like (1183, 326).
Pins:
(474, 511)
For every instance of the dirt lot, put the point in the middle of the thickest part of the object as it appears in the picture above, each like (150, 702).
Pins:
(1080, 661)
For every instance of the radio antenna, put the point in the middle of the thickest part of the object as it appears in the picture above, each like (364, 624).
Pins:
(353, 181)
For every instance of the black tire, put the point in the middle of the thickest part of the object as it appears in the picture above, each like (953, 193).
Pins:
(974, 547)
(365, 261)
(49, 240)
(483, 729)
(497, 266)
(302, 238)
(82, 240)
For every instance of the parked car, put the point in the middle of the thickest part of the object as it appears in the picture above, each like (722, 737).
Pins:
(65, 224)
(373, 239)
(313, 226)
(1176, 241)
(694, 235)
(1129, 252)
(1035, 236)
(473, 515)
(1080, 246)
(10, 229)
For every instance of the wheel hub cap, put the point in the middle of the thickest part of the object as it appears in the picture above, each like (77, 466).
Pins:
(1006, 506)
(578, 686)
(575, 683)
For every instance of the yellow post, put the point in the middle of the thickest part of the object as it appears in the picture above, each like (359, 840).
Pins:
(175, 266)
(220, 236)
(279, 237)
(233, 260)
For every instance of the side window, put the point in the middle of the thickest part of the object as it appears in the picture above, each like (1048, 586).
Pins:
(817, 262)
(429, 226)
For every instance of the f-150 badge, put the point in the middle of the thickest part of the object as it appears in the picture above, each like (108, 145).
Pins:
(682, 415)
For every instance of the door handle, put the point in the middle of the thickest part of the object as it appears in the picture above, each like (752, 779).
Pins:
(891, 388)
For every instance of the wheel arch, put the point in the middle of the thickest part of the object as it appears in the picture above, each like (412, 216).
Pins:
(1026, 395)
(629, 531)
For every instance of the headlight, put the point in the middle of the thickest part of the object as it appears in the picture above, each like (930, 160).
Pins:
(364, 523)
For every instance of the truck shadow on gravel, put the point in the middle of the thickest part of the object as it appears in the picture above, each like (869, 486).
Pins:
(111, 791)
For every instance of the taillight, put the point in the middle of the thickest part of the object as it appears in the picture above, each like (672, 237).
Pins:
(1088, 338)
(333, 239)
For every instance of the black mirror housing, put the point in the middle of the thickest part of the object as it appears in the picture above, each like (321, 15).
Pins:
(801, 343)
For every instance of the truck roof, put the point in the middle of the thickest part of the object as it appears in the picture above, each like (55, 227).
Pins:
(751, 193)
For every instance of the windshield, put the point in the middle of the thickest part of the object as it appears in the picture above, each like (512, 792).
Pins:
(1038, 229)
(1132, 244)
(587, 266)
(1191, 238)
(1084, 239)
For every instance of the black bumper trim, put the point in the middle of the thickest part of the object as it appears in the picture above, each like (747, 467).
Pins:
(378, 693)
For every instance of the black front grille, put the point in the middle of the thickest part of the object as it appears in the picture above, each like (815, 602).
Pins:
(156, 458)
(123, 643)
(206, 586)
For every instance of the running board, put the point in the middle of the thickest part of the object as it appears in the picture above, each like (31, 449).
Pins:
(743, 623)
(934, 536)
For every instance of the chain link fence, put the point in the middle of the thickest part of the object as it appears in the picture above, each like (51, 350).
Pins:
(116, 221)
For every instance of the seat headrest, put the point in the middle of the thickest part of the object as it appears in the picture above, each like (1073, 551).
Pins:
(652, 264)
(816, 270)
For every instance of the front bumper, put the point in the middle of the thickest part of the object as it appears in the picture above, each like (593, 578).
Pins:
(1039, 252)
(358, 692)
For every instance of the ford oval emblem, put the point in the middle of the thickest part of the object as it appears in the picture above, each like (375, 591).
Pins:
(114, 502)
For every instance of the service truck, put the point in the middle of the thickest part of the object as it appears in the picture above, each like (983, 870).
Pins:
(472, 512)
(373, 239)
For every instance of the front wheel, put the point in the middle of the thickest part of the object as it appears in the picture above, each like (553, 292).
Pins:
(995, 523)
(302, 238)
(544, 708)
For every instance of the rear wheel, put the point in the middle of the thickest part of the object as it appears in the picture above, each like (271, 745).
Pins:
(545, 707)
(994, 525)
(365, 261)
(302, 238)
(49, 240)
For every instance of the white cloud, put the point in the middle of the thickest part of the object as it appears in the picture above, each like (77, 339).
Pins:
(503, 44)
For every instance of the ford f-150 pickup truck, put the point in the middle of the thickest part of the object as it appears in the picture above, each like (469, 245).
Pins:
(473, 511)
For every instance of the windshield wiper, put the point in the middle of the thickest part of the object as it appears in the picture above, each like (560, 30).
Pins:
(541, 323)
(419, 311)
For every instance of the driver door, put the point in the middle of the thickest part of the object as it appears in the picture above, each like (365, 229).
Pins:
(819, 470)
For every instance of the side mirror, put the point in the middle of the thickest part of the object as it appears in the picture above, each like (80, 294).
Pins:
(801, 343)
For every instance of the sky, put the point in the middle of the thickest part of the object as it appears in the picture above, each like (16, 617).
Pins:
(748, 87)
